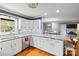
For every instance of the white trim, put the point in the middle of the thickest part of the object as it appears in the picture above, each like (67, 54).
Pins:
(9, 17)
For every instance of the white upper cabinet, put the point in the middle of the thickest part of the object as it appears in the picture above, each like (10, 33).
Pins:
(37, 24)
(63, 29)
(26, 24)
(30, 24)
(34, 25)
(37, 27)
(55, 27)
(16, 46)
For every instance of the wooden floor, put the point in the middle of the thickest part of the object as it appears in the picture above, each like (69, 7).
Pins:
(31, 51)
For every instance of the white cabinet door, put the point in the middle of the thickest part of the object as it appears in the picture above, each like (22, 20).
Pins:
(37, 24)
(55, 27)
(19, 45)
(56, 47)
(5, 48)
(63, 29)
(52, 46)
(40, 42)
(59, 47)
(35, 44)
(37, 27)
(31, 41)
(35, 41)
(43, 42)
(30, 24)
(16, 46)
(26, 24)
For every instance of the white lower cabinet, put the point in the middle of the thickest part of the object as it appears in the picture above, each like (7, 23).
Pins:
(56, 47)
(35, 41)
(31, 41)
(19, 45)
(5, 48)
(16, 46)
(9, 48)
(52, 46)
(59, 47)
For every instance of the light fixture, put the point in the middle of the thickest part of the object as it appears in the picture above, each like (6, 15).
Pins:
(57, 11)
(32, 5)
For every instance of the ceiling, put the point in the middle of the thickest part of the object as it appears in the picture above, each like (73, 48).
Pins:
(67, 10)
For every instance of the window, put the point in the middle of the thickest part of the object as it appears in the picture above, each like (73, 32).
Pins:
(8, 24)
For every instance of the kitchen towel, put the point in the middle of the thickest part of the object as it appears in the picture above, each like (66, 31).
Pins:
(27, 41)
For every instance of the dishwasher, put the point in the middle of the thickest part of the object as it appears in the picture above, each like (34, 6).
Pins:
(25, 42)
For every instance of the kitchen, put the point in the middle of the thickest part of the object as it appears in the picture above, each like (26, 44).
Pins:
(48, 27)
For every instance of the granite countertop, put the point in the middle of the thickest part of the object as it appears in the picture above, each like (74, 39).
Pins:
(11, 37)
(15, 36)
(61, 37)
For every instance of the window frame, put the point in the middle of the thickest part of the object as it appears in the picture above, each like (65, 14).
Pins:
(9, 17)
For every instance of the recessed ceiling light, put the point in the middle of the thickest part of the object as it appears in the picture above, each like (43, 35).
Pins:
(45, 14)
(57, 11)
